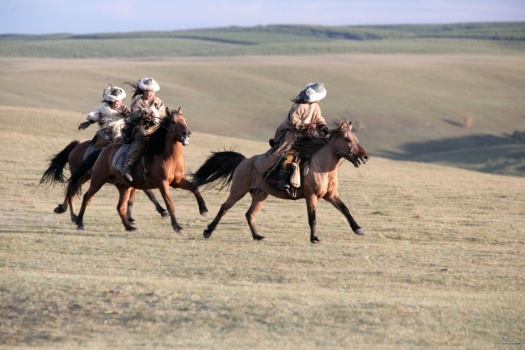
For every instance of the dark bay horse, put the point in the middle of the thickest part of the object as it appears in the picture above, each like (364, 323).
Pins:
(234, 169)
(164, 167)
(73, 154)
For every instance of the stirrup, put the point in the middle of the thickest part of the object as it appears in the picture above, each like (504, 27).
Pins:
(127, 174)
(283, 185)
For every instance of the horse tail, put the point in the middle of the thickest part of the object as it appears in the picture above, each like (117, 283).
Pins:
(74, 184)
(55, 171)
(217, 170)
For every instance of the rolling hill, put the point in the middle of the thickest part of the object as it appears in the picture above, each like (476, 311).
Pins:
(409, 89)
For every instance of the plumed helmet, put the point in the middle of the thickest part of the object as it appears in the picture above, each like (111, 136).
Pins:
(313, 92)
(148, 84)
(114, 93)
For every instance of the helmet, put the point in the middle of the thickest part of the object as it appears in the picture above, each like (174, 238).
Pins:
(313, 92)
(112, 94)
(148, 84)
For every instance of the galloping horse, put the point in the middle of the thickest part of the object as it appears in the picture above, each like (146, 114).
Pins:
(163, 167)
(73, 154)
(320, 181)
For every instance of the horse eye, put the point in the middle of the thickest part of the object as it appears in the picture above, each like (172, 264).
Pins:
(347, 139)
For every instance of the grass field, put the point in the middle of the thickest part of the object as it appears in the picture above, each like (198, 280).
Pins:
(441, 265)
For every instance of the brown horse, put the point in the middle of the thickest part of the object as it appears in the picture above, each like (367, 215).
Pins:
(73, 154)
(163, 167)
(320, 181)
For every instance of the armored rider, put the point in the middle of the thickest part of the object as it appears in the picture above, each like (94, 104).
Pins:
(110, 117)
(146, 113)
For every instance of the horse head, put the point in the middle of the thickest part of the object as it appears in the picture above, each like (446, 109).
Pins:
(345, 144)
(178, 127)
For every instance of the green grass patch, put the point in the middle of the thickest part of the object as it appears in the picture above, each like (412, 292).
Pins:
(473, 38)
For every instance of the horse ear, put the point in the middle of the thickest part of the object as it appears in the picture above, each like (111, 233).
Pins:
(349, 126)
(168, 111)
(180, 110)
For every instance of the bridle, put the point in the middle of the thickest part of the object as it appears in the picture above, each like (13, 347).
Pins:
(168, 129)
(342, 153)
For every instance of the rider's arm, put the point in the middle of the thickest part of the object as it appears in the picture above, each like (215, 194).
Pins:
(322, 129)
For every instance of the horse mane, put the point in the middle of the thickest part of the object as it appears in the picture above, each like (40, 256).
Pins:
(308, 145)
(157, 140)
(342, 125)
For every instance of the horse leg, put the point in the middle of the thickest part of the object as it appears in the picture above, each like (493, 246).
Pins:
(311, 204)
(233, 198)
(131, 200)
(62, 208)
(72, 214)
(123, 205)
(94, 187)
(165, 192)
(71, 202)
(258, 201)
(189, 186)
(163, 212)
(336, 201)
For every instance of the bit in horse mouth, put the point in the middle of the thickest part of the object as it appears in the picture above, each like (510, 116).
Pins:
(359, 161)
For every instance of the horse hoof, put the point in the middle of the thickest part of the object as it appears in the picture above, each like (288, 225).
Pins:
(59, 209)
(131, 228)
(315, 240)
(204, 213)
(359, 231)
(80, 227)
(259, 238)
(165, 213)
(207, 233)
(74, 218)
(131, 221)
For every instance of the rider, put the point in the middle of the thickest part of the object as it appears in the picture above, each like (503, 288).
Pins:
(304, 118)
(109, 116)
(146, 112)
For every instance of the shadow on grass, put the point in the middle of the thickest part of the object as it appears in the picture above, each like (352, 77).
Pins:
(483, 152)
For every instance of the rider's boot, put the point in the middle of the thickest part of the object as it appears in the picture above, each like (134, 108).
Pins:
(126, 171)
(283, 183)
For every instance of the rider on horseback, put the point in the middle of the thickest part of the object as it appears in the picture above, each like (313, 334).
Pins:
(146, 112)
(304, 118)
(109, 116)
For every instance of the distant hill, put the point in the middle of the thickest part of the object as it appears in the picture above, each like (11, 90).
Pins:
(465, 38)
(448, 94)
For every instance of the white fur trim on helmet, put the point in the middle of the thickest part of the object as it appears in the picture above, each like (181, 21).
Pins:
(313, 92)
(148, 84)
(112, 94)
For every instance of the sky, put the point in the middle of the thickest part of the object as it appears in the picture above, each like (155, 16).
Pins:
(109, 16)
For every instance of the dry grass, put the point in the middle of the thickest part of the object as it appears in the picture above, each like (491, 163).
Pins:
(441, 265)
(412, 106)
